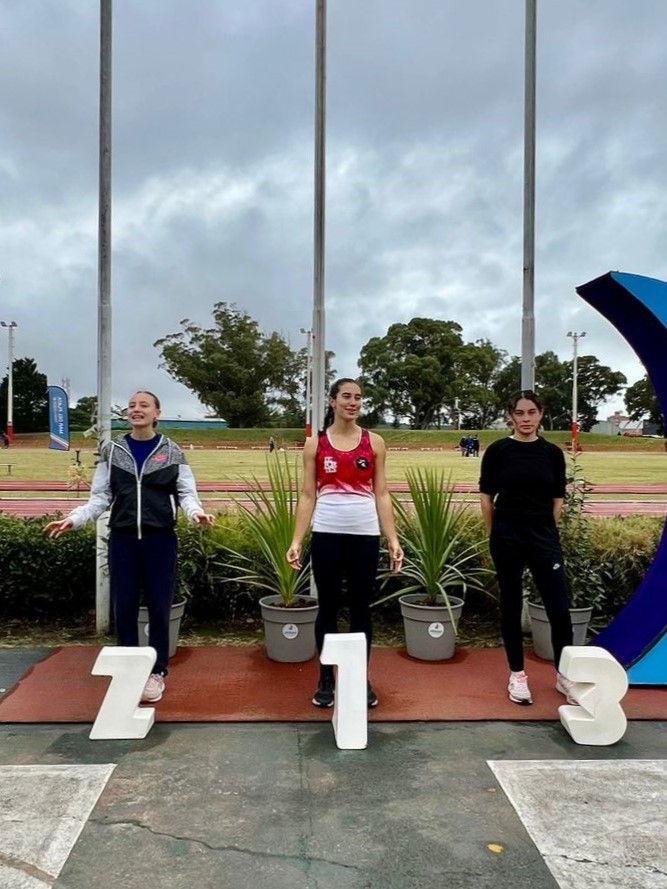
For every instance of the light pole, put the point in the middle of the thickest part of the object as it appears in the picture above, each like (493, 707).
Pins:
(528, 311)
(575, 408)
(319, 356)
(309, 371)
(11, 326)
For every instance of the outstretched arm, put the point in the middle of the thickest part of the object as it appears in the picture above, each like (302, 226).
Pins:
(188, 497)
(99, 500)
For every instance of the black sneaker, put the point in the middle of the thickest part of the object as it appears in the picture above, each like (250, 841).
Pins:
(372, 697)
(324, 696)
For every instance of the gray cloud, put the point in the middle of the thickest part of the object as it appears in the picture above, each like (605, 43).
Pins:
(213, 172)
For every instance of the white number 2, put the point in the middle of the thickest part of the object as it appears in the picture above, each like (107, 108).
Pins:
(350, 716)
(601, 683)
(120, 716)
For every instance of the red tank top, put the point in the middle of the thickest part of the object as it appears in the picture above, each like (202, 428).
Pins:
(345, 472)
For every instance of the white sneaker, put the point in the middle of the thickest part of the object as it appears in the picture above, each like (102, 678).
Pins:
(154, 688)
(565, 686)
(518, 689)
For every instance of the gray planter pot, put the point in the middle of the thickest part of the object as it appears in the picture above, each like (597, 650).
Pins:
(289, 633)
(177, 611)
(429, 634)
(541, 628)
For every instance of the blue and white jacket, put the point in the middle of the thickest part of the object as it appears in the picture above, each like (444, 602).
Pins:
(143, 501)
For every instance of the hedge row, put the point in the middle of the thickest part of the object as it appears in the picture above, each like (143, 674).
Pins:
(47, 579)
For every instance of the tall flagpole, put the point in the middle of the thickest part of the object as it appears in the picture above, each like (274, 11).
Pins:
(104, 299)
(528, 315)
(318, 361)
(104, 231)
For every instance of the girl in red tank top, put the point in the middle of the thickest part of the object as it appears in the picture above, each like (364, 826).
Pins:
(345, 494)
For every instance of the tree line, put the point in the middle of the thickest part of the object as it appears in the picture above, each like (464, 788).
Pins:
(422, 373)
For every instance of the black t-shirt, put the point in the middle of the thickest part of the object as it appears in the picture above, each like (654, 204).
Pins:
(524, 477)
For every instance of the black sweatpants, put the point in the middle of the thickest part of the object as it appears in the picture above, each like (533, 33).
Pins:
(145, 566)
(350, 560)
(532, 542)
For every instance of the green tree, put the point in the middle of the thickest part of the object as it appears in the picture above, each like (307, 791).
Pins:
(29, 402)
(595, 383)
(478, 368)
(235, 369)
(550, 384)
(642, 402)
(83, 414)
(411, 372)
(553, 383)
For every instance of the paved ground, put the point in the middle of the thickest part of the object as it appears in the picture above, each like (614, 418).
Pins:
(427, 805)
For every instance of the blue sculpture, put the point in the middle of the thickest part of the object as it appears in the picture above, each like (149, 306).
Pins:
(637, 307)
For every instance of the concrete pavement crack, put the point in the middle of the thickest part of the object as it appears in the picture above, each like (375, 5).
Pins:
(238, 849)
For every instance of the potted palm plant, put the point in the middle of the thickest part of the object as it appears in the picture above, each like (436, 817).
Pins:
(288, 610)
(441, 564)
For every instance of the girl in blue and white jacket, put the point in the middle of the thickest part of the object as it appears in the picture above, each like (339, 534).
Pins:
(143, 478)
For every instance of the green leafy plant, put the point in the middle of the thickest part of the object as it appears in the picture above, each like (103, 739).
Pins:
(588, 574)
(442, 556)
(268, 526)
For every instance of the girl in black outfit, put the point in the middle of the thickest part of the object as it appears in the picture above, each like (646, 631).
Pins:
(522, 487)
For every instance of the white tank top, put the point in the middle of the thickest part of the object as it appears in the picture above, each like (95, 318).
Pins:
(346, 514)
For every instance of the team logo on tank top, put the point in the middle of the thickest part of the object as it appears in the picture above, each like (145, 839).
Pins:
(361, 463)
(330, 464)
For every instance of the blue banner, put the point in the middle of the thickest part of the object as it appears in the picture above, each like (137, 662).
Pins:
(58, 418)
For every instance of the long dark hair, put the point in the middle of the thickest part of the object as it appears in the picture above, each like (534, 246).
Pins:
(333, 392)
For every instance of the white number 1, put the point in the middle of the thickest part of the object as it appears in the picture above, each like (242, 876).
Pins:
(350, 716)
(601, 683)
(120, 716)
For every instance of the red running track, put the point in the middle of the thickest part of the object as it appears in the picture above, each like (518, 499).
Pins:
(40, 507)
(226, 487)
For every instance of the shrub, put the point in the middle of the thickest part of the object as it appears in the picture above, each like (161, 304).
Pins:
(626, 546)
(55, 579)
(40, 577)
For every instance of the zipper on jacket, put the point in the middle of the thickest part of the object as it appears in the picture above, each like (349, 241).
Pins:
(139, 477)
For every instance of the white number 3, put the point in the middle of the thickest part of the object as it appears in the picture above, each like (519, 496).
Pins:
(601, 684)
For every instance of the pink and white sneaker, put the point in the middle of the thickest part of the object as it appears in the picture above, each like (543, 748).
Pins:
(518, 690)
(154, 688)
(565, 686)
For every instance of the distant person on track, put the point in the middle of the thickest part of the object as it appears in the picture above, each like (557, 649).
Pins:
(345, 494)
(522, 487)
(5, 440)
(144, 477)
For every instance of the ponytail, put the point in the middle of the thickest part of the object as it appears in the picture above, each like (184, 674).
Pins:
(328, 419)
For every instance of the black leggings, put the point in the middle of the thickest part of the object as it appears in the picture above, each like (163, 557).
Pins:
(350, 559)
(534, 544)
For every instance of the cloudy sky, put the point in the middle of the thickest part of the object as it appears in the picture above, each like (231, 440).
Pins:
(213, 104)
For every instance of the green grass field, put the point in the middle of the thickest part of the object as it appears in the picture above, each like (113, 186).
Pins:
(599, 467)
